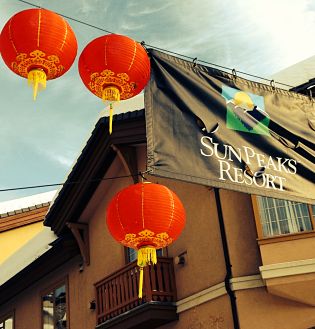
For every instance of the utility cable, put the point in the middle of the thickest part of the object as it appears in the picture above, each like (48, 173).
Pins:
(162, 49)
(68, 17)
(141, 174)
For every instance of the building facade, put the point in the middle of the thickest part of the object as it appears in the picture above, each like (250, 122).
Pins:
(241, 261)
(20, 220)
(22, 237)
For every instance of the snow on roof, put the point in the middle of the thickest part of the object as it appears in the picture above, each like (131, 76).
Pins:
(28, 202)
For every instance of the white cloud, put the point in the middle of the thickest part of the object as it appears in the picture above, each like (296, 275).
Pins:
(62, 160)
(148, 9)
(86, 7)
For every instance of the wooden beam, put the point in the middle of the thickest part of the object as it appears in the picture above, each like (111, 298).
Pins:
(81, 233)
(128, 157)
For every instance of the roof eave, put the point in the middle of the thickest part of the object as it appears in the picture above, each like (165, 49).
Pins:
(91, 166)
(62, 251)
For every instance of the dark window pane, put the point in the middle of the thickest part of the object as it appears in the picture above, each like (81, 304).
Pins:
(55, 309)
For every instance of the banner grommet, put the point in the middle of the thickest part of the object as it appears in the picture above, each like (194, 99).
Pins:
(273, 85)
(234, 74)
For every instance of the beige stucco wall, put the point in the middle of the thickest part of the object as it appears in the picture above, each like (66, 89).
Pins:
(27, 307)
(212, 315)
(200, 238)
(287, 251)
(260, 310)
(257, 309)
(241, 233)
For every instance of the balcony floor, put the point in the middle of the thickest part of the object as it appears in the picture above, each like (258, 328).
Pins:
(146, 316)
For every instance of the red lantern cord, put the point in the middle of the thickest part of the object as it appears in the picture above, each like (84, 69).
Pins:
(114, 67)
(145, 217)
(39, 45)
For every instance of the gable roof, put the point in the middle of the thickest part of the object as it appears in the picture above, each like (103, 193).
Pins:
(46, 252)
(43, 254)
(91, 166)
(37, 257)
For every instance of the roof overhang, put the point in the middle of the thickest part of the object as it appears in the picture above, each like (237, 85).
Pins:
(92, 165)
(62, 250)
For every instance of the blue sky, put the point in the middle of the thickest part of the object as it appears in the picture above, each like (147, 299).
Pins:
(40, 140)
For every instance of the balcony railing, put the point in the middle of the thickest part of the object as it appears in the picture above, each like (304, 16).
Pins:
(118, 293)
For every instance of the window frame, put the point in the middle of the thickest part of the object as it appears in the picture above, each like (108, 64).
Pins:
(284, 236)
(128, 261)
(55, 285)
(7, 316)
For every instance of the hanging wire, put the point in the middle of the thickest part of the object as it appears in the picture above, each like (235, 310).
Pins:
(141, 174)
(161, 49)
(29, 3)
(68, 17)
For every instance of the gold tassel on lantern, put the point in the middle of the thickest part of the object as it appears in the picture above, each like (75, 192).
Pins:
(146, 256)
(111, 94)
(37, 79)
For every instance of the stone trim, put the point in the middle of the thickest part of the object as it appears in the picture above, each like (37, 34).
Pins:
(218, 290)
(288, 268)
(201, 297)
(247, 282)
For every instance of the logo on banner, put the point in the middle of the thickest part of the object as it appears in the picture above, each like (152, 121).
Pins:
(245, 111)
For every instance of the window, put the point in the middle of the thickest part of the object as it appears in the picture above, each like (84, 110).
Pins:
(7, 322)
(132, 254)
(283, 217)
(54, 308)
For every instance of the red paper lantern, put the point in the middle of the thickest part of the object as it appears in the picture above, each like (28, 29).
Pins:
(145, 217)
(114, 67)
(38, 44)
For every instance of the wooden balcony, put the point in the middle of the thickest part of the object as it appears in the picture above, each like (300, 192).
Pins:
(118, 305)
